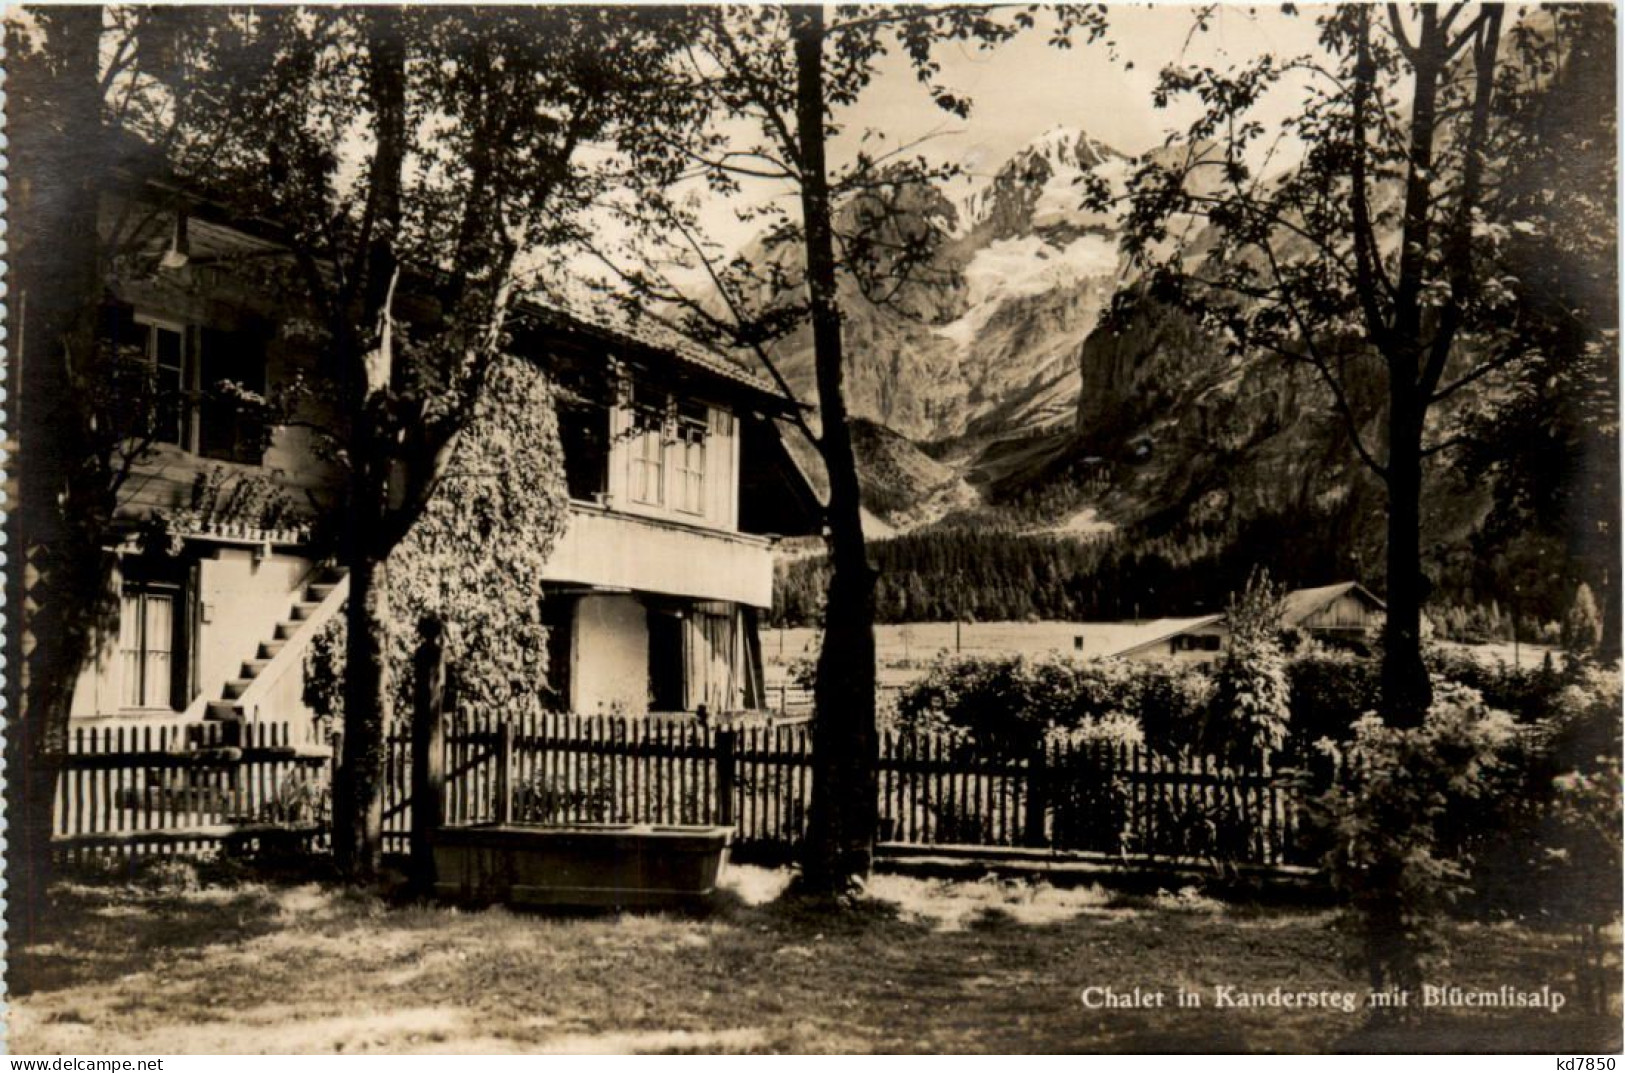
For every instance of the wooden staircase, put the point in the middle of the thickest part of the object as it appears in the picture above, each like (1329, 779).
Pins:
(322, 596)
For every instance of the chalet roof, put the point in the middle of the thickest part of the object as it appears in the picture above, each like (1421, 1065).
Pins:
(1160, 630)
(1301, 604)
(649, 335)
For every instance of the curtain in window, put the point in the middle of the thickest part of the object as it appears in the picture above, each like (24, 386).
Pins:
(722, 658)
(146, 648)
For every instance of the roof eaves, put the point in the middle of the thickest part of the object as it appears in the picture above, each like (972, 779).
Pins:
(664, 341)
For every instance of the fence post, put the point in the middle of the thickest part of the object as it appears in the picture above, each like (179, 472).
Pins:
(504, 788)
(1037, 798)
(428, 753)
(725, 777)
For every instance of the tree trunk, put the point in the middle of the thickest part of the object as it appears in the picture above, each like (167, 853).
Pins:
(358, 802)
(369, 371)
(1406, 691)
(839, 850)
(1608, 651)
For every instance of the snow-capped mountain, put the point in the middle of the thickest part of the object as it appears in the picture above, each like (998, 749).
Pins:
(995, 349)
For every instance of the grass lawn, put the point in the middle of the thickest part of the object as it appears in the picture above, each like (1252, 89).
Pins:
(926, 966)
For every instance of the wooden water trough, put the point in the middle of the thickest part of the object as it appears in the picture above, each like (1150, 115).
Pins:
(540, 864)
(619, 865)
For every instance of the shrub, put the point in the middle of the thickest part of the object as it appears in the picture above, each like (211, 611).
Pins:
(1250, 713)
(1090, 803)
(302, 799)
(549, 798)
(1582, 624)
(473, 560)
(1400, 795)
(1549, 850)
(1010, 705)
(1529, 693)
(1173, 704)
(1329, 692)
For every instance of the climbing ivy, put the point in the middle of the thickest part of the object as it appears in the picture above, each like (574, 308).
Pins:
(475, 557)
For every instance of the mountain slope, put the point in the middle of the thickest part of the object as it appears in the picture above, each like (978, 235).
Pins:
(999, 400)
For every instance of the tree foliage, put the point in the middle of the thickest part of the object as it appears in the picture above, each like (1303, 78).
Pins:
(475, 558)
(1373, 238)
(980, 573)
(1251, 708)
(1548, 439)
(83, 417)
(1582, 626)
(1389, 813)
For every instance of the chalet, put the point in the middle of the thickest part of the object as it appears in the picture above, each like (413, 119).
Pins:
(677, 478)
(1346, 610)
(1340, 613)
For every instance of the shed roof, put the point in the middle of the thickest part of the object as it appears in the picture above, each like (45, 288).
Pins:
(1301, 604)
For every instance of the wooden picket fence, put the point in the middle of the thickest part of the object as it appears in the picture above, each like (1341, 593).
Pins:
(134, 791)
(933, 789)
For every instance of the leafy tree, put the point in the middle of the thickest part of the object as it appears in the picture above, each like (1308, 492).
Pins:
(61, 546)
(85, 419)
(782, 75)
(1372, 244)
(419, 163)
(474, 559)
(1391, 809)
(409, 160)
(1551, 444)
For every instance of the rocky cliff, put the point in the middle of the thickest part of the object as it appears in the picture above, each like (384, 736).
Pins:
(999, 396)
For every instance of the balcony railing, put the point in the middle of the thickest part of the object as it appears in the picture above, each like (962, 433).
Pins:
(609, 549)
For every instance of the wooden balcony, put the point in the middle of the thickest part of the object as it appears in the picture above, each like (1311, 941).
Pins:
(609, 549)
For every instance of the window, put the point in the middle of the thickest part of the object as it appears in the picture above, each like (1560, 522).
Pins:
(149, 624)
(584, 435)
(671, 453)
(648, 447)
(688, 454)
(225, 430)
(176, 370)
(155, 352)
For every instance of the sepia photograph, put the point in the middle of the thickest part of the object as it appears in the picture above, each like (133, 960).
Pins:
(793, 529)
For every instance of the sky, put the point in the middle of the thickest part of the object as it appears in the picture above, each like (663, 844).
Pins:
(1025, 87)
